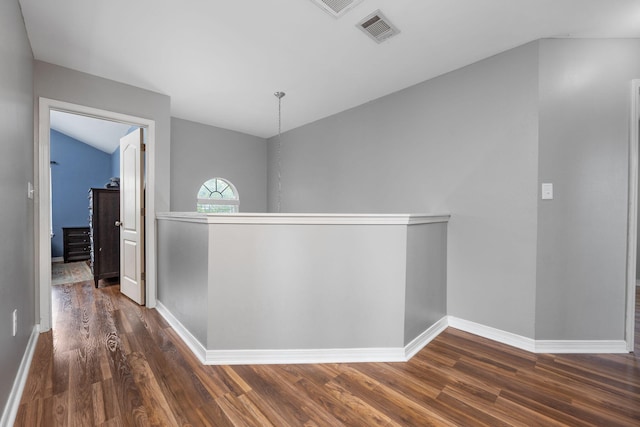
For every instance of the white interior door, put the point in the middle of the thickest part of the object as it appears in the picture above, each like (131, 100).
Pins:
(132, 216)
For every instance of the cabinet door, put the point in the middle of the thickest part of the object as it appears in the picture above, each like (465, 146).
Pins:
(108, 232)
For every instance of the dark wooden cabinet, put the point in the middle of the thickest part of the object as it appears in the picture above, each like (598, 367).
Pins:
(104, 212)
(76, 244)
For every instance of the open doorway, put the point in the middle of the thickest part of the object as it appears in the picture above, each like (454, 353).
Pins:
(84, 164)
(43, 199)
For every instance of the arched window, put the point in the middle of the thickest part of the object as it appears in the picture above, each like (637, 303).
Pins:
(218, 195)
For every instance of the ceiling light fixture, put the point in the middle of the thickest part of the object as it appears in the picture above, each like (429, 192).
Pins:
(279, 95)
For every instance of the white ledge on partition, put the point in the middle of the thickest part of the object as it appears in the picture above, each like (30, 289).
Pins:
(304, 218)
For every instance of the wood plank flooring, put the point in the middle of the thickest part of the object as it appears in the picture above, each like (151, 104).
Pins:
(109, 362)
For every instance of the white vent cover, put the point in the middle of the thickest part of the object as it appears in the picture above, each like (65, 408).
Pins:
(337, 8)
(378, 27)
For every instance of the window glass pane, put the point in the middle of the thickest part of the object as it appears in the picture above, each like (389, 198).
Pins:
(225, 208)
(216, 189)
(204, 192)
(217, 196)
(228, 193)
(203, 208)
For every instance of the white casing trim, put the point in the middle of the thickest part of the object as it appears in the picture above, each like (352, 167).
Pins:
(13, 402)
(632, 217)
(42, 198)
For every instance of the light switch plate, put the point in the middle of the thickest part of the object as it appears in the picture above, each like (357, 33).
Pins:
(547, 191)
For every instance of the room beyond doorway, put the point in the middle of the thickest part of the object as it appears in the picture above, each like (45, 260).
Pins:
(84, 154)
(43, 197)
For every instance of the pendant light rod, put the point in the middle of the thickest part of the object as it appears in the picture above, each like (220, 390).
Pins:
(279, 95)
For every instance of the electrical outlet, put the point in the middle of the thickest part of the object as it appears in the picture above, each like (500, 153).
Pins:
(15, 322)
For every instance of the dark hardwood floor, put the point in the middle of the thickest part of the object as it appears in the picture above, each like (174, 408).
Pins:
(109, 362)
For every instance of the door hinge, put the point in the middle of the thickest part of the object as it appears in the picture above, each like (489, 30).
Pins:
(142, 276)
(143, 147)
(143, 211)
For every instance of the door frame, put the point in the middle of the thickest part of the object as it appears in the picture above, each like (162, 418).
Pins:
(42, 199)
(632, 226)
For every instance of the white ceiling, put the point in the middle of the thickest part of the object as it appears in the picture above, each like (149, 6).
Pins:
(101, 134)
(221, 61)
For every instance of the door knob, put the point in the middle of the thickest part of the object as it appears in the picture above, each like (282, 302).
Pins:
(118, 224)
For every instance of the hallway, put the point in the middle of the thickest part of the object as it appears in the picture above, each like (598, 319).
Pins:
(110, 362)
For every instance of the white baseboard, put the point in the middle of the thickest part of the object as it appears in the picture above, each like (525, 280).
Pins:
(299, 356)
(539, 346)
(13, 402)
(494, 334)
(57, 259)
(192, 342)
(586, 346)
(343, 355)
(390, 354)
(425, 338)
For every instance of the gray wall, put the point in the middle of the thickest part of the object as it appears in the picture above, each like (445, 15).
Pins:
(464, 143)
(363, 283)
(200, 152)
(426, 289)
(183, 271)
(585, 88)
(16, 211)
(346, 290)
(64, 84)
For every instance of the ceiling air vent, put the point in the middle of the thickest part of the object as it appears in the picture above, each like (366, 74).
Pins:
(337, 8)
(378, 27)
